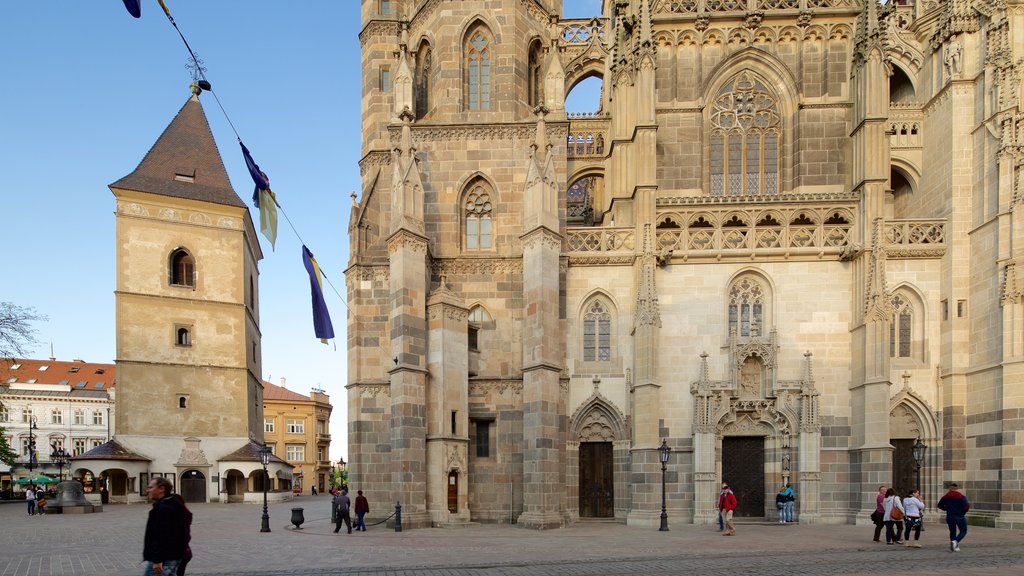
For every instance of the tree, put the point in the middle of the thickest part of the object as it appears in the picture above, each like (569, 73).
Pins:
(17, 336)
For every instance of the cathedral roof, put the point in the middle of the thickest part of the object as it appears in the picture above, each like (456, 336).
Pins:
(111, 450)
(184, 162)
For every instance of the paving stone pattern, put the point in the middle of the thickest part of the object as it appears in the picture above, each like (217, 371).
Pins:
(226, 540)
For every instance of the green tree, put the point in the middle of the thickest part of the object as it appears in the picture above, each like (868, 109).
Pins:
(17, 338)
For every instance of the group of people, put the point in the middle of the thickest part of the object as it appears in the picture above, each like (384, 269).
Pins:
(342, 505)
(784, 501)
(35, 497)
(899, 517)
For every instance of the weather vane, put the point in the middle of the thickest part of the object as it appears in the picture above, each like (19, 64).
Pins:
(198, 71)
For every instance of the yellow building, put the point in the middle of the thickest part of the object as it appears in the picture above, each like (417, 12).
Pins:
(296, 428)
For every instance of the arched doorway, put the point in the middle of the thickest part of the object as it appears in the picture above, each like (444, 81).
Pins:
(601, 443)
(744, 470)
(193, 486)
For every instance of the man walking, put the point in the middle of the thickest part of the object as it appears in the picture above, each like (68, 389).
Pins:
(726, 506)
(342, 503)
(166, 530)
(955, 505)
(721, 514)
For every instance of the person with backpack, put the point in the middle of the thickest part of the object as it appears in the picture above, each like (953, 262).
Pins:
(789, 503)
(342, 503)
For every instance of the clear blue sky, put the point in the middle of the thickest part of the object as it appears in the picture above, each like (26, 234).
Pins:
(88, 89)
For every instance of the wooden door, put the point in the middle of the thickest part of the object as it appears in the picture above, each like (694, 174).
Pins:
(193, 486)
(597, 490)
(743, 471)
(904, 470)
(453, 491)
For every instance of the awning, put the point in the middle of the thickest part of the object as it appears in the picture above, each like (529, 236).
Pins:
(37, 479)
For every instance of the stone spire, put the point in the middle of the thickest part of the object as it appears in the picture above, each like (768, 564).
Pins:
(541, 192)
(403, 76)
(872, 32)
(406, 183)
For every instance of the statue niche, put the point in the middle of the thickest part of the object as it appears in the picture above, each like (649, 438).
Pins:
(751, 380)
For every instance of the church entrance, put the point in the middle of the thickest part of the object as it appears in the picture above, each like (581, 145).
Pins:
(453, 491)
(597, 494)
(193, 486)
(743, 470)
(904, 470)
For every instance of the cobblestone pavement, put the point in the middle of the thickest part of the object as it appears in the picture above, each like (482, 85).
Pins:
(226, 540)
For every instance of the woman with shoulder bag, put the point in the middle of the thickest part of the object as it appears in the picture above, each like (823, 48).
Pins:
(914, 508)
(893, 517)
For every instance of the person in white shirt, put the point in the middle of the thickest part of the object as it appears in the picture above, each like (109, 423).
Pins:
(30, 498)
(914, 508)
(893, 526)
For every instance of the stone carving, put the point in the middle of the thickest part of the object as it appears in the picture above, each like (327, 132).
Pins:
(456, 457)
(456, 266)
(373, 390)
(228, 222)
(1013, 285)
(501, 387)
(198, 218)
(191, 454)
(134, 209)
(170, 214)
(407, 240)
(952, 58)
(903, 423)
(597, 420)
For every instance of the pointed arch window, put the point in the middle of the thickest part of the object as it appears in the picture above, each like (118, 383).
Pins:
(477, 213)
(901, 329)
(534, 79)
(183, 269)
(477, 82)
(597, 333)
(477, 318)
(421, 80)
(746, 308)
(746, 129)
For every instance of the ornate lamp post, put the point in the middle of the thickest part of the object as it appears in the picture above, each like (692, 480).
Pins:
(918, 451)
(31, 446)
(60, 457)
(663, 453)
(265, 459)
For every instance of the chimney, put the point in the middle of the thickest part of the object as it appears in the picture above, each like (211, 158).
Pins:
(283, 385)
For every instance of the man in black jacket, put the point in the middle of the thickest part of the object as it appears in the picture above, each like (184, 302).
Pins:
(166, 530)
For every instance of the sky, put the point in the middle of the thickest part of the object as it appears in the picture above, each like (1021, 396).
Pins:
(89, 89)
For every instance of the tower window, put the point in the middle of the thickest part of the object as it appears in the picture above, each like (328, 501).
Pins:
(478, 218)
(183, 269)
(597, 333)
(477, 83)
(745, 132)
(182, 336)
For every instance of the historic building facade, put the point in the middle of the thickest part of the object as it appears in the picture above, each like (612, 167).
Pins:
(296, 428)
(786, 245)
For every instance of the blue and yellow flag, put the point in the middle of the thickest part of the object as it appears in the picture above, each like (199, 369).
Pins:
(262, 197)
(322, 326)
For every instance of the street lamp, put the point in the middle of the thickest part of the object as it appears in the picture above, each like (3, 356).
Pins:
(919, 450)
(31, 446)
(60, 457)
(663, 453)
(265, 459)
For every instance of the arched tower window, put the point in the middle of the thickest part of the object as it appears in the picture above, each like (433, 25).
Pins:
(477, 318)
(597, 332)
(745, 139)
(183, 269)
(477, 213)
(421, 80)
(746, 307)
(477, 63)
(901, 329)
(534, 78)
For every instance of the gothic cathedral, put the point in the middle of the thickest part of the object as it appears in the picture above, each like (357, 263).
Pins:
(784, 248)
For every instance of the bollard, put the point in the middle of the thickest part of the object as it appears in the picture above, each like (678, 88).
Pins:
(297, 518)
(398, 516)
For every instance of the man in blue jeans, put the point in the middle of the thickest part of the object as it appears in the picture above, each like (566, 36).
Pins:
(955, 505)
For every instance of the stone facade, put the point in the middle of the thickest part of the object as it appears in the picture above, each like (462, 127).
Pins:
(787, 245)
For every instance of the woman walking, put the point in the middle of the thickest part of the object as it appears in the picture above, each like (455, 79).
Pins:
(893, 517)
(914, 508)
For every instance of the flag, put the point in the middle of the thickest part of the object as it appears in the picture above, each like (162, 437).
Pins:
(322, 326)
(134, 7)
(262, 197)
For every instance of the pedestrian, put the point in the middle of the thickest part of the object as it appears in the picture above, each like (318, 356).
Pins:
(914, 508)
(30, 499)
(166, 538)
(893, 517)
(41, 502)
(955, 505)
(878, 515)
(721, 515)
(790, 503)
(341, 504)
(362, 509)
(188, 536)
(313, 488)
(726, 506)
(780, 504)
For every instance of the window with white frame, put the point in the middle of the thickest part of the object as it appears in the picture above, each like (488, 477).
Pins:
(26, 415)
(79, 417)
(57, 443)
(296, 426)
(25, 447)
(295, 452)
(268, 424)
(5, 414)
(79, 446)
(56, 416)
(96, 443)
(97, 418)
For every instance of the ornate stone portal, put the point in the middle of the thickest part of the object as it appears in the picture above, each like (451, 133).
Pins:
(754, 402)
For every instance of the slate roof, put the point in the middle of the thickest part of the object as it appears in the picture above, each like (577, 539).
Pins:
(110, 450)
(250, 452)
(184, 162)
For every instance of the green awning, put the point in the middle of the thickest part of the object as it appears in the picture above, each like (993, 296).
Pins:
(37, 479)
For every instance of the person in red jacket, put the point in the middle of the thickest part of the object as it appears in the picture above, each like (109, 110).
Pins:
(726, 505)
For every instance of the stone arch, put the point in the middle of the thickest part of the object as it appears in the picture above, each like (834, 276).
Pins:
(911, 296)
(768, 299)
(597, 419)
(910, 417)
(485, 20)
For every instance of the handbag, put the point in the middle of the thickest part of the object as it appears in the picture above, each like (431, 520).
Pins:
(896, 513)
